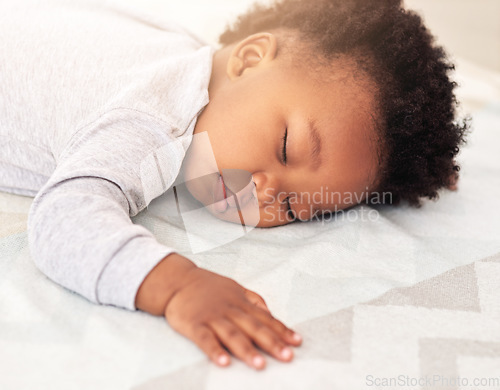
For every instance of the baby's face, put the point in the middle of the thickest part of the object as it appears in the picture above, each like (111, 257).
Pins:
(300, 140)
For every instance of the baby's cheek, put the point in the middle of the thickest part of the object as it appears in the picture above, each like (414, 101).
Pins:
(270, 217)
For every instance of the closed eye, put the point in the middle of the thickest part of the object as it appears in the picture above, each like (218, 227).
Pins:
(283, 148)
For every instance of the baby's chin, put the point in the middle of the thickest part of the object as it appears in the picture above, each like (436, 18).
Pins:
(230, 210)
(254, 218)
(226, 210)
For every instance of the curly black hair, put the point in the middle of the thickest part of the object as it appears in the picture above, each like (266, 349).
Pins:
(420, 134)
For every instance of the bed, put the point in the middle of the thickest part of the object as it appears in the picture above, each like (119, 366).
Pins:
(405, 299)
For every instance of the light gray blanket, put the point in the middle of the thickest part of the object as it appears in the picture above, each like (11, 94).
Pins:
(405, 300)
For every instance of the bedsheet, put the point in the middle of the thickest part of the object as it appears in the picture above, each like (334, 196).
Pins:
(395, 298)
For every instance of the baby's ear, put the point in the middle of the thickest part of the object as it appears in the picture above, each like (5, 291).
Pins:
(254, 51)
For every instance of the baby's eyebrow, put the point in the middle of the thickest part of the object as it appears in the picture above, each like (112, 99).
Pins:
(315, 139)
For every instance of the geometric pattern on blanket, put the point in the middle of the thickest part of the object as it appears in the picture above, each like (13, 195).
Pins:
(439, 323)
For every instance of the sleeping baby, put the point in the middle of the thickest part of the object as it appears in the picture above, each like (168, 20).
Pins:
(103, 108)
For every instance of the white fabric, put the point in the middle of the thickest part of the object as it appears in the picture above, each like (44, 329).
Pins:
(344, 285)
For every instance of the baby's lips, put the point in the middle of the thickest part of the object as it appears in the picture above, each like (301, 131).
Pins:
(243, 197)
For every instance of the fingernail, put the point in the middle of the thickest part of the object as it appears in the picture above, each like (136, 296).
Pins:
(297, 337)
(258, 361)
(286, 353)
(223, 360)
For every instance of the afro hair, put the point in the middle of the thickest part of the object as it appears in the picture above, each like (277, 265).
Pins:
(420, 136)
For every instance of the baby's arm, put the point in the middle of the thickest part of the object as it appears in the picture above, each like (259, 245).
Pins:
(81, 236)
(214, 311)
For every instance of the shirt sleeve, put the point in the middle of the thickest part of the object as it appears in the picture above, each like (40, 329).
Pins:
(79, 228)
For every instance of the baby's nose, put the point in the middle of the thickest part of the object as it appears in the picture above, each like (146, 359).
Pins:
(267, 188)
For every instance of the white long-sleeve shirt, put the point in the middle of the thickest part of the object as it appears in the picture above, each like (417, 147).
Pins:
(87, 92)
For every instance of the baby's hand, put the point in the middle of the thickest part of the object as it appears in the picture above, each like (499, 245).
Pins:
(216, 312)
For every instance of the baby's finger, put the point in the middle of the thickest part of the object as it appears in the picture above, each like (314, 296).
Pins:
(238, 343)
(287, 334)
(256, 299)
(205, 338)
(263, 336)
